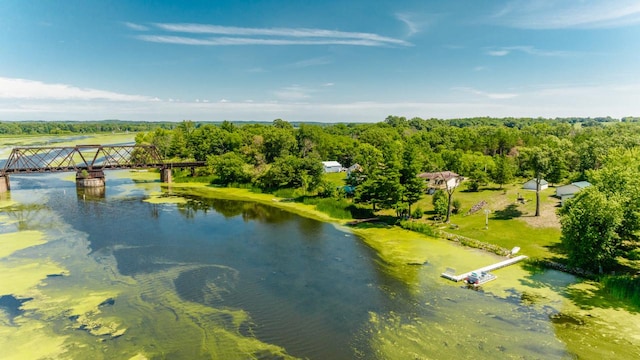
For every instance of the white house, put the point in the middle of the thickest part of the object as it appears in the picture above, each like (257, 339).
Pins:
(331, 166)
(565, 192)
(531, 184)
(441, 180)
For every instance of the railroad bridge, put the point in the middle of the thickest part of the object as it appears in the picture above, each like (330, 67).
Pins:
(88, 161)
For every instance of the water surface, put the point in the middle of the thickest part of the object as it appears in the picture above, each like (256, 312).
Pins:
(120, 277)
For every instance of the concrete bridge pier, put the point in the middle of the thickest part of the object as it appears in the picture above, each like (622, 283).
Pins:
(166, 176)
(4, 183)
(90, 178)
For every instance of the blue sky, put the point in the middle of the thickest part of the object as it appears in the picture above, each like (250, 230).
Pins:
(324, 61)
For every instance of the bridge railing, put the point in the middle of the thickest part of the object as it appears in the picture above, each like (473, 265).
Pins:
(79, 157)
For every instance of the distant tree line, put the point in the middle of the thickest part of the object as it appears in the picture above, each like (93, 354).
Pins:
(78, 127)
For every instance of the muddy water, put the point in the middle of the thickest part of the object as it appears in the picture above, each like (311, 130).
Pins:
(118, 275)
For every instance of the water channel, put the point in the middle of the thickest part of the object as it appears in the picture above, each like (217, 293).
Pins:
(140, 272)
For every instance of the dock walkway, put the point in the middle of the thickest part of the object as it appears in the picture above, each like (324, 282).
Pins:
(450, 273)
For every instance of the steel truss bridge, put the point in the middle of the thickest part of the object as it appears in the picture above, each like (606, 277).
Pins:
(88, 161)
(89, 158)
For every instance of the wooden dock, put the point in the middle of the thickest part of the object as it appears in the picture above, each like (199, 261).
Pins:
(450, 273)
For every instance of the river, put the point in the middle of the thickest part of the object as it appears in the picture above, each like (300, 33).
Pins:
(140, 272)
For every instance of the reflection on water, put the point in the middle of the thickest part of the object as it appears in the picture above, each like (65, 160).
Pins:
(209, 278)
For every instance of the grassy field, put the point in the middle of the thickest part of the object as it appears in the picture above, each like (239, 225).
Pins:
(510, 223)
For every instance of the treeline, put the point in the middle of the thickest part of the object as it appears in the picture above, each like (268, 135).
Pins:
(78, 127)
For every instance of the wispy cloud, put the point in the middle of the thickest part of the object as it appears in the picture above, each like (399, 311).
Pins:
(503, 51)
(196, 34)
(494, 96)
(560, 14)
(293, 93)
(311, 62)
(134, 26)
(412, 26)
(11, 88)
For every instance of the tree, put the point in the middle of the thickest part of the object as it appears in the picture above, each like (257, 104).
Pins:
(478, 178)
(539, 162)
(440, 203)
(229, 168)
(590, 223)
(450, 189)
(503, 171)
(413, 186)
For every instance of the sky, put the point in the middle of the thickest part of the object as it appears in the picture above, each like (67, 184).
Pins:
(326, 61)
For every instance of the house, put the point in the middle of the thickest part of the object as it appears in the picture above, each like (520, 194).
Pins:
(440, 180)
(354, 167)
(565, 192)
(331, 166)
(531, 184)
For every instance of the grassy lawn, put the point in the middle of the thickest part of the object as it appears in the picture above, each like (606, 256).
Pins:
(337, 178)
(510, 223)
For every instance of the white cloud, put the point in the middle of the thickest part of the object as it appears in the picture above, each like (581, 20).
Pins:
(560, 14)
(293, 93)
(311, 62)
(136, 27)
(11, 88)
(494, 96)
(412, 26)
(498, 52)
(503, 51)
(226, 41)
(328, 84)
(232, 35)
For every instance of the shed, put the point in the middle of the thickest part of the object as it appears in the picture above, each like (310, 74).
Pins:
(531, 184)
(565, 192)
(331, 166)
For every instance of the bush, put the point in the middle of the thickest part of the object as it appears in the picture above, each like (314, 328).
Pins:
(422, 228)
(417, 213)
(456, 205)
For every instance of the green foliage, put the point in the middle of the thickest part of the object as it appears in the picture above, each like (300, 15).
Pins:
(229, 168)
(440, 203)
(292, 172)
(457, 205)
(478, 178)
(590, 223)
(420, 227)
(418, 213)
(504, 170)
(623, 287)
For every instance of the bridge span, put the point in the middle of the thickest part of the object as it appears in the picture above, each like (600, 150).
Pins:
(88, 161)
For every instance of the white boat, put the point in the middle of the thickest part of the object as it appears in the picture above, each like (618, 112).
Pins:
(475, 279)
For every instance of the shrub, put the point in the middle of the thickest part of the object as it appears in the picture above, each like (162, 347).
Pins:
(420, 227)
(417, 213)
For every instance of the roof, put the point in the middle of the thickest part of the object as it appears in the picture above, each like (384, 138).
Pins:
(581, 184)
(542, 181)
(446, 175)
(331, 164)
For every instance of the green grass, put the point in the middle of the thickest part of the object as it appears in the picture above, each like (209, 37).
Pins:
(623, 287)
(336, 179)
(507, 221)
